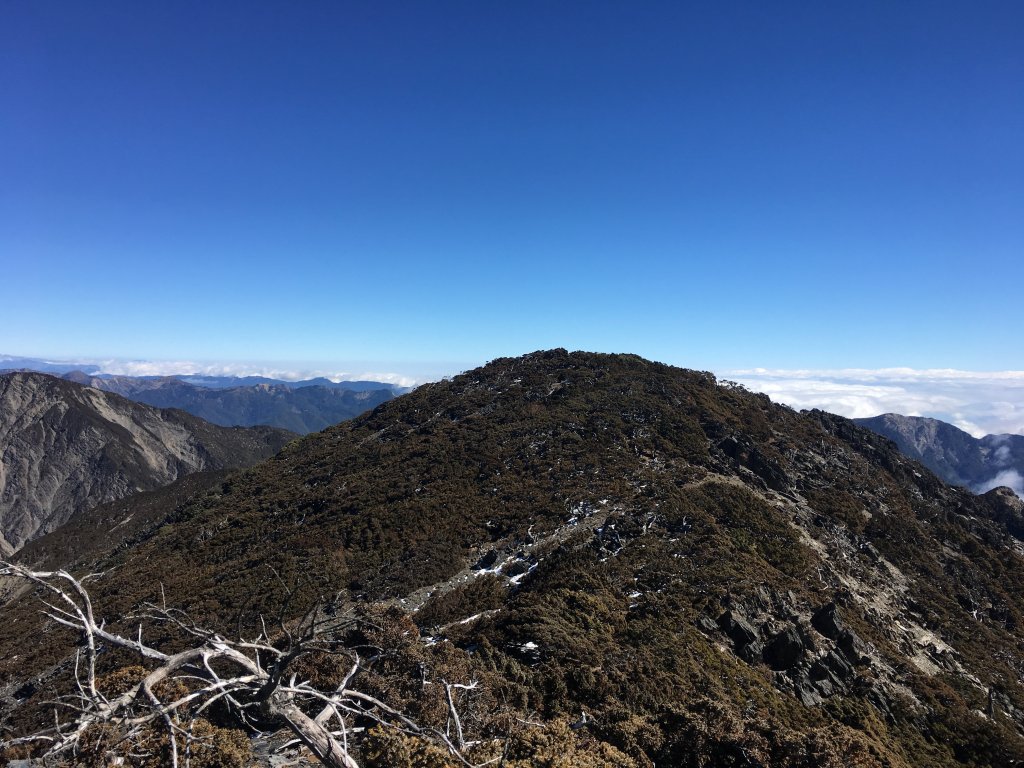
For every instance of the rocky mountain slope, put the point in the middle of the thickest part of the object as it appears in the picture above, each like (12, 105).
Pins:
(65, 448)
(300, 409)
(94, 533)
(709, 578)
(954, 455)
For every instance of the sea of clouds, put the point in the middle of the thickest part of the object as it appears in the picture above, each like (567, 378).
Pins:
(270, 371)
(978, 402)
(289, 371)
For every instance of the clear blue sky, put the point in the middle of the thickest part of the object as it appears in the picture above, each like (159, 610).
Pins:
(717, 185)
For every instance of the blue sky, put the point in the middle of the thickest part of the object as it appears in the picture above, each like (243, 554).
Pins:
(426, 186)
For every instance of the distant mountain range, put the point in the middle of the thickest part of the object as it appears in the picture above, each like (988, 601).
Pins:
(301, 409)
(979, 464)
(65, 448)
(299, 406)
(225, 382)
(10, 363)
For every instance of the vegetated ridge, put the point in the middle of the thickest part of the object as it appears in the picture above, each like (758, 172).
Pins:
(709, 578)
(959, 458)
(95, 533)
(65, 448)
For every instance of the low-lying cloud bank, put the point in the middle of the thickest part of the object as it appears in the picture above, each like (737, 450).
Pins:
(184, 368)
(1011, 478)
(977, 402)
(282, 371)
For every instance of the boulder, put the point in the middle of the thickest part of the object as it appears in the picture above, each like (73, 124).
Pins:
(739, 630)
(784, 650)
(826, 620)
(851, 645)
(751, 652)
(832, 669)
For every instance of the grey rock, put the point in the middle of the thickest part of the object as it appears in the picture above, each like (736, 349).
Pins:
(739, 630)
(807, 694)
(825, 687)
(784, 650)
(706, 624)
(489, 558)
(743, 451)
(826, 621)
(834, 668)
(751, 652)
(851, 645)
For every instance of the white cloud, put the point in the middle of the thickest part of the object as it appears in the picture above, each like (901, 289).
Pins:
(391, 378)
(1007, 378)
(1008, 477)
(186, 367)
(979, 402)
(1001, 457)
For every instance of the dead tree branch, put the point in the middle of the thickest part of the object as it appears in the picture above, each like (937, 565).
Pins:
(253, 678)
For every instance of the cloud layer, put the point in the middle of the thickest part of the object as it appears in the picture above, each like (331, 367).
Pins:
(979, 402)
(1008, 477)
(185, 367)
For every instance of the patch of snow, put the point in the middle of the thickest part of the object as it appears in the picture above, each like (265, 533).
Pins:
(123, 521)
(519, 578)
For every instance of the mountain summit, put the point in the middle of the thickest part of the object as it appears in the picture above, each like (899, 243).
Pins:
(710, 578)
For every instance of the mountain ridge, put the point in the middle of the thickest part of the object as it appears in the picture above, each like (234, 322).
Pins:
(959, 458)
(299, 407)
(715, 579)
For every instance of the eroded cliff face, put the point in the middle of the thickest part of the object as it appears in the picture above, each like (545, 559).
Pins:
(65, 448)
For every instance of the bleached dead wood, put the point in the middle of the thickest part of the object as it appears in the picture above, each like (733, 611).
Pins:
(252, 677)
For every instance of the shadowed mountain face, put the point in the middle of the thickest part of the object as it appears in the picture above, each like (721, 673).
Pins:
(714, 579)
(65, 448)
(955, 456)
(300, 409)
